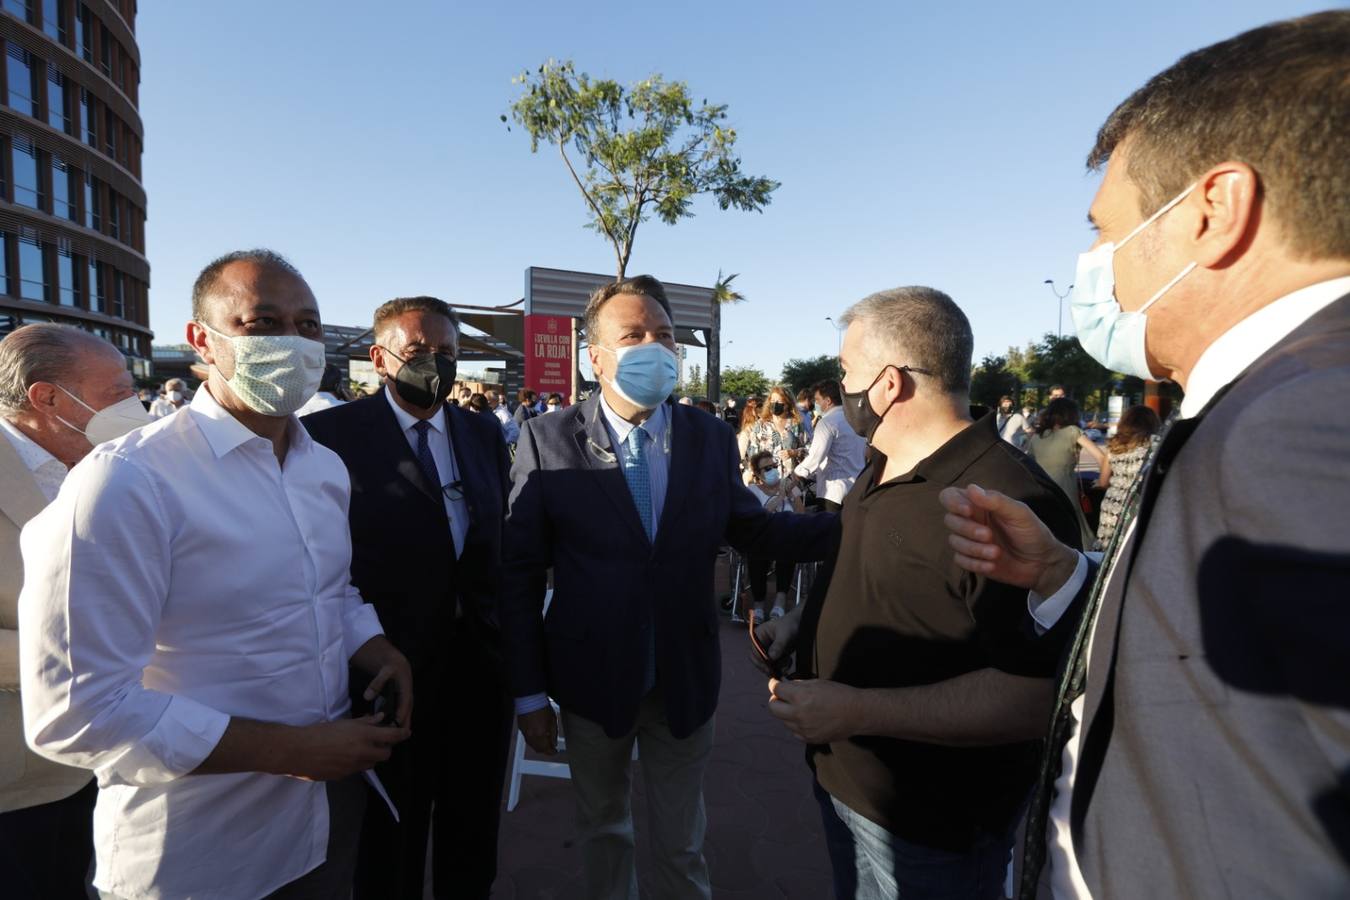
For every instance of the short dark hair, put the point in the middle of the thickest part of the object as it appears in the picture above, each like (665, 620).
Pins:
(1277, 98)
(209, 279)
(932, 330)
(829, 389)
(525, 394)
(392, 309)
(478, 403)
(706, 406)
(331, 379)
(644, 285)
(759, 458)
(554, 396)
(804, 395)
(1060, 413)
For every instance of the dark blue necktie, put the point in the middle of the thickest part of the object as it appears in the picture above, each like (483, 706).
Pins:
(638, 475)
(424, 457)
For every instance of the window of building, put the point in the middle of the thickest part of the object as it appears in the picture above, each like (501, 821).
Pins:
(97, 300)
(67, 277)
(27, 186)
(58, 108)
(84, 33)
(65, 190)
(109, 133)
(88, 118)
(93, 203)
(105, 50)
(119, 300)
(4, 263)
(22, 80)
(32, 268)
(21, 8)
(114, 215)
(54, 20)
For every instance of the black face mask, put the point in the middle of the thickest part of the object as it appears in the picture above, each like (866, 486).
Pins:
(424, 380)
(779, 409)
(858, 410)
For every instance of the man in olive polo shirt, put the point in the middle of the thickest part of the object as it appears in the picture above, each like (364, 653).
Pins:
(931, 694)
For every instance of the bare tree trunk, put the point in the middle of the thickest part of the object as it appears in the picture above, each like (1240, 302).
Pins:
(715, 356)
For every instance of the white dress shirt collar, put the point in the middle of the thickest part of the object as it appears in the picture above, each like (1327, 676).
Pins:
(223, 432)
(655, 426)
(407, 421)
(1245, 343)
(48, 471)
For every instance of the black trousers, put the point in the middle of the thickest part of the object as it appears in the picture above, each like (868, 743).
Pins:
(759, 577)
(446, 779)
(45, 851)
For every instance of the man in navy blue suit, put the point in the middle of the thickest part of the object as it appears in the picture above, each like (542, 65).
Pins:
(429, 487)
(627, 497)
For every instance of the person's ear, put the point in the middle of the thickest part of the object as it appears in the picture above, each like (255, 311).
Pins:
(42, 396)
(198, 340)
(377, 358)
(1225, 210)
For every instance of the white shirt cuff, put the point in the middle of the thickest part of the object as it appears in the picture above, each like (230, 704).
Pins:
(532, 703)
(360, 624)
(1046, 611)
(182, 739)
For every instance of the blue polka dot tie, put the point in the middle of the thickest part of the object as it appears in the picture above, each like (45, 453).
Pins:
(636, 473)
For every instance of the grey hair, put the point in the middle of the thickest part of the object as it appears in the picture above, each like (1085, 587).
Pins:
(209, 279)
(43, 351)
(920, 327)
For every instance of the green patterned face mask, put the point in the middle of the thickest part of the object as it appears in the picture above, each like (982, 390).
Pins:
(274, 374)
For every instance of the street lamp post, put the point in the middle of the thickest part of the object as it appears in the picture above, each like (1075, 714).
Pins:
(1051, 282)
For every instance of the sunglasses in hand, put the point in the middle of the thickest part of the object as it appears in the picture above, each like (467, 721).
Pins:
(773, 668)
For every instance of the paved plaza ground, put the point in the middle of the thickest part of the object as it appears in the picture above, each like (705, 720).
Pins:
(764, 835)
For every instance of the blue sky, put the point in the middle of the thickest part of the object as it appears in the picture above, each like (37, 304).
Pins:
(937, 144)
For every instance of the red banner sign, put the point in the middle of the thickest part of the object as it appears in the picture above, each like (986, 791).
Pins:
(548, 355)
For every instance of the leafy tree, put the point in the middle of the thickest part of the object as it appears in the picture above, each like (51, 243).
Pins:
(745, 381)
(693, 384)
(647, 148)
(991, 379)
(799, 374)
(722, 293)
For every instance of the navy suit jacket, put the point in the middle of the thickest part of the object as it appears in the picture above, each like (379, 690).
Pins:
(403, 556)
(571, 510)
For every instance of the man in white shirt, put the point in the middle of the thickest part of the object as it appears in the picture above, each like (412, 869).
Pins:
(54, 381)
(837, 454)
(187, 622)
(174, 398)
(326, 397)
(510, 430)
(1011, 424)
(1201, 740)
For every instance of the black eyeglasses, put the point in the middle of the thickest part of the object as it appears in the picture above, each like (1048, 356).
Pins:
(454, 491)
(774, 668)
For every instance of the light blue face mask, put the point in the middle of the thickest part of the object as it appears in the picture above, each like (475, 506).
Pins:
(1110, 335)
(645, 374)
(771, 478)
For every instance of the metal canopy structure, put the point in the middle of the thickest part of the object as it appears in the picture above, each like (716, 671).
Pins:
(561, 292)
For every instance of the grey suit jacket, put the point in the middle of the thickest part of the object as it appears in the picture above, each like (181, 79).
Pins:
(1216, 744)
(26, 779)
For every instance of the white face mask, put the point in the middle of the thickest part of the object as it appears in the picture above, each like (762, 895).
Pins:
(175, 396)
(1108, 334)
(274, 374)
(111, 422)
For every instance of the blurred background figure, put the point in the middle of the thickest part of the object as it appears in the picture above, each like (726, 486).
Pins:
(1011, 424)
(745, 426)
(478, 403)
(777, 431)
(775, 494)
(554, 402)
(806, 411)
(175, 398)
(1056, 446)
(329, 394)
(526, 409)
(707, 407)
(837, 453)
(1126, 451)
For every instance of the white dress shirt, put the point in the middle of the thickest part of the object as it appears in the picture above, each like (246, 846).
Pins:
(320, 400)
(447, 466)
(48, 471)
(510, 430)
(180, 578)
(1220, 363)
(836, 456)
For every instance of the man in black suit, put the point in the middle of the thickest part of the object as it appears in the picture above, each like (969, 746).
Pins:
(627, 497)
(1200, 745)
(429, 487)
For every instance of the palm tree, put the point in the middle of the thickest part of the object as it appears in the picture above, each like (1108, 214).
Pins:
(721, 293)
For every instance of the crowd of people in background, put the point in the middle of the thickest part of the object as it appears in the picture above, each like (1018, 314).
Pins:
(216, 613)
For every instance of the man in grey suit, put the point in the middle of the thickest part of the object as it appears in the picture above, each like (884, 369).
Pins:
(627, 498)
(62, 390)
(1201, 741)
